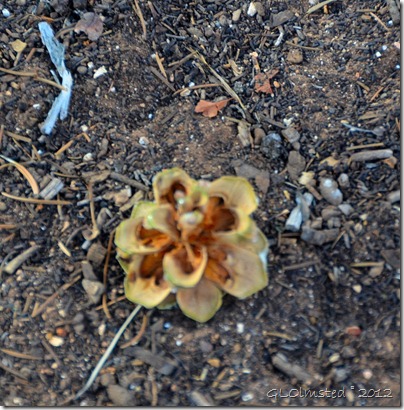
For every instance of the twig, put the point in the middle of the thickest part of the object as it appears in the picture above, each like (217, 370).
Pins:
(162, 78)
(21, 355)
(95, 231)
(104, 357)
(122, 178)
(154, 389)
(300, 265)
(17, 137)
(134, 340)
(37, 201)
(379, 21)
(376, 94)
(139, 13)
(24, 171)
(160, 64)
(220, 78)
(12, 371)
(196, 87)
(34, 76)
(48, 347)
(48, 301)
(375, 144)
(105, 276)
(8, 226)
(303, 47)
(112, 302)
(20, 259)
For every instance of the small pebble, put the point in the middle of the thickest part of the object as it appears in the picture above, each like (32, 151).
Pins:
(56, 341)
(346, 209)
(236, 15)
(88, 157)
(271, 145)
(316, 237)
(82, 69)
(357, 288)
(334, 358)
(343, 181)
(252, 10)
(120, 396)
(295, 56)
(334, 223)
(240, 328)
(329, 190)
(3, 206)
(247, 396)
(107, 379)
(329, 212)
(291, 134)
(260, 8)
(341, 374)
(88, 271)
(394, 196)
(93, 289)
(259, 135)
(348, 352)
(367, 374)
(80, 4)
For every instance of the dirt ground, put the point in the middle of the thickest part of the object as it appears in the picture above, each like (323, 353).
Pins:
(325, 104)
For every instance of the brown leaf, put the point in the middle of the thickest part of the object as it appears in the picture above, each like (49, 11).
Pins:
(262, 83)
(210, 108)
(91, 24)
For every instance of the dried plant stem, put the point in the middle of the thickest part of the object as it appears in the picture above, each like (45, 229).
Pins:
(136, 339)
(226, 86)
(34, 76)
(36, 201)
(138, 11)
(106, 355)
(20, 259)
(105, 276)
(63, 288)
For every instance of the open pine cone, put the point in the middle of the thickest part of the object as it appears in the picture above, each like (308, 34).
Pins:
(196, 241)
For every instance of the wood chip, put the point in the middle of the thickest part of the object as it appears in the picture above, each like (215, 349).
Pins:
(296, 165)
(52, 189)
(371, 155)
(96, 254)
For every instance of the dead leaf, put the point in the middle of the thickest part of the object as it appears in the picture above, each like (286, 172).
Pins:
(262, 83)
(210, 108)
(91, 24)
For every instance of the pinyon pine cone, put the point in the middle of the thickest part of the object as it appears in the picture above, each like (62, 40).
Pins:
(196, 241)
